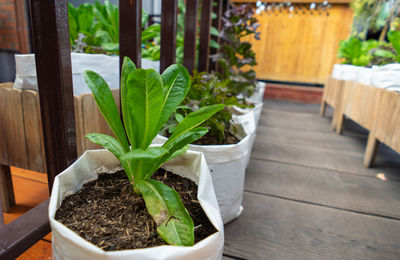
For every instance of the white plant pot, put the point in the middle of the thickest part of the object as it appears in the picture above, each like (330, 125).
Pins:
(66, 244)
(105, 65)
(227, 165)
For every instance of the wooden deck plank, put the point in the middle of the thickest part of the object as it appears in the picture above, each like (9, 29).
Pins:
(272, 228)
(340, 161)
(324, 187)
(266, 134)
(297, 107)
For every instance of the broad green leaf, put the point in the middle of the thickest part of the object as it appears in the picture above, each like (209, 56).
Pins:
(144, 104)
(143, 161)
(105, 101)
(394, 38)
(127, 68)
(174, 223)
(176, 82)
(115, 147)
(193, 120)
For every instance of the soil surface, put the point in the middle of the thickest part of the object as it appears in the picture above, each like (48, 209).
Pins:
(213, 140)
(109, 214)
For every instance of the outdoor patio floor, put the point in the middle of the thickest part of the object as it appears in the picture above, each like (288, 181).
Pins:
(308, 196)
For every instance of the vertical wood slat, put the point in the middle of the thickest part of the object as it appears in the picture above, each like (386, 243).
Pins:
(12, 139)
(6, 189)
(92, 120)
(189, 44)
(205, 27)
(80, 137)
(33, 130)
(217, 9)
(169, 11)
(54, 76)
(130, 31)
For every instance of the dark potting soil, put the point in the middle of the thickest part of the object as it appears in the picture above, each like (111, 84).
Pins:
(109, 214)
(213, 140)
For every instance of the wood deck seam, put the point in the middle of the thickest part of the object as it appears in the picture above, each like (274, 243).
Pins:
(234, 257)
(254, 157)
(322, 205)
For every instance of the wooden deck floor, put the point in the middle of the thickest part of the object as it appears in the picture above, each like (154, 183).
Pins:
(308, 196)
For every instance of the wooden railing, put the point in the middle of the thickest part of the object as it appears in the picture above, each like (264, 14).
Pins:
(55, 143)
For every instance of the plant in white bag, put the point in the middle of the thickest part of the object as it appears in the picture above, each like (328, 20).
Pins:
(147, 101)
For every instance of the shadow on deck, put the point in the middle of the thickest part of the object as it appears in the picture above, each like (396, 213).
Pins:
(308, 196)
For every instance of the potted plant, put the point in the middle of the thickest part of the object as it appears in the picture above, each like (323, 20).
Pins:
(147, 101)
(236, 58)
(226, 146)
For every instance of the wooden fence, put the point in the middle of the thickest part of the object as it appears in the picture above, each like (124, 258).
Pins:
(299, 44)
(45, 130)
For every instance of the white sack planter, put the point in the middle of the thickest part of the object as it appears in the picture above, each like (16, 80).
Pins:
(247, 119)
(258, 95)
(345, 72)
(105, 65)
(227, 164)
(387, 77)
(66, 244)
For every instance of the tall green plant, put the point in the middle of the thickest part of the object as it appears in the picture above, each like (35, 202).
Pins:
(147, 101)
(235, 57)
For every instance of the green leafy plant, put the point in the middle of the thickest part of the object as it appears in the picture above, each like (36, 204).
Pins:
(356, 52)
(208, 90)
(371, 52)
(147, 101)
(94, 28)
(235, 57)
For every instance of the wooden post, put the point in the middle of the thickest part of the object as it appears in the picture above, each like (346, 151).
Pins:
(205, 26)
(169, 11)
(217, 9)
(6, 188)
(130, 31)
(54, 76)
(323, 108)
(371, 151)
(189, 47)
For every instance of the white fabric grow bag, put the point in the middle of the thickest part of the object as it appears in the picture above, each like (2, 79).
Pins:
(387, 77)
(247, 120)
(346, 72)
(258, 95)
(106, 66)
(227, 165)
(66, 244)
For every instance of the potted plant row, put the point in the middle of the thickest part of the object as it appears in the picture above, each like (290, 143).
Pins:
(226, 146)
(131, 200)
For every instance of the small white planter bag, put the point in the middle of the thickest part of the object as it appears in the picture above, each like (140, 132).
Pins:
(387, 77)
(66, 244)
(258, 95)
(107, 66)
(227, 165)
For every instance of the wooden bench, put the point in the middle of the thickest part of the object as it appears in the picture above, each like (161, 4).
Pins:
(375, 109)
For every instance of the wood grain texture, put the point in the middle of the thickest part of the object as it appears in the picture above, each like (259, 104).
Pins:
(300, 45)
(189, 47)
(50, 34)
(6, 189)
(274, 228)
(324, 187)
(169, 12)
(340, 161)
(13, 134)
(205, 25)
(33, 130)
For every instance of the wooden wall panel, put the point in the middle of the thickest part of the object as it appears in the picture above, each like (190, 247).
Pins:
(300, 45)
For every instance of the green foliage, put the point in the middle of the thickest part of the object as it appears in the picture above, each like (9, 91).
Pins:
(371, 52)
(94, 28)
(208, 90)
(235, 56)
(147, 100)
